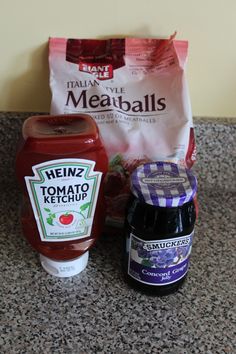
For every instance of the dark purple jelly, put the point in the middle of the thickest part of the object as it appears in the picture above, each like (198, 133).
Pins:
(159, 227)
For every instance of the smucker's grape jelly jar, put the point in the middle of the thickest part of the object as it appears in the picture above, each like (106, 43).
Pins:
(159, 227)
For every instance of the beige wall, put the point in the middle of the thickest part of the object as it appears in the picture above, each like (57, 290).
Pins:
(209, 25)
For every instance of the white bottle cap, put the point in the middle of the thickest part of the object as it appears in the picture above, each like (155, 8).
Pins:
(64, 269)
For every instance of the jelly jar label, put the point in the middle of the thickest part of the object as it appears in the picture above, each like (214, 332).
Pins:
(63, 195)
(159, 262)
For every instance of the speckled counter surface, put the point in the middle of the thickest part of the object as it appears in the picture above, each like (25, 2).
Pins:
(96, 312)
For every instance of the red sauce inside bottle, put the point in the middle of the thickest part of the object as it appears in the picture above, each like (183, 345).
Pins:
(60, 139)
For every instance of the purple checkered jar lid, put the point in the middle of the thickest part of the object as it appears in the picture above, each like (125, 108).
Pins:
(163, 184)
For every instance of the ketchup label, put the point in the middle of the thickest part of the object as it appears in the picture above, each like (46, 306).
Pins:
(159, 262)
(63, 195)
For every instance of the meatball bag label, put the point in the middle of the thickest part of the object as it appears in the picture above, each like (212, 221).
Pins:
(136, 91)
(63, 194)
(159, 262)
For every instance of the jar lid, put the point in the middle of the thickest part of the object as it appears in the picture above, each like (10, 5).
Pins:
(163, 184)
(64, 269)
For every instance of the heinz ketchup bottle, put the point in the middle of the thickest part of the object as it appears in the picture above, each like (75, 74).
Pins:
(60, 165)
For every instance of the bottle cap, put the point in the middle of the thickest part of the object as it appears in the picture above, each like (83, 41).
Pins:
(163, 184)
(64, 269)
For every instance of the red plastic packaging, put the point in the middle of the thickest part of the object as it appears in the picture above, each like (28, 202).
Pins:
(59, 148)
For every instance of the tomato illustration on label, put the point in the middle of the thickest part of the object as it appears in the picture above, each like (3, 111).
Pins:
(66, 219)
